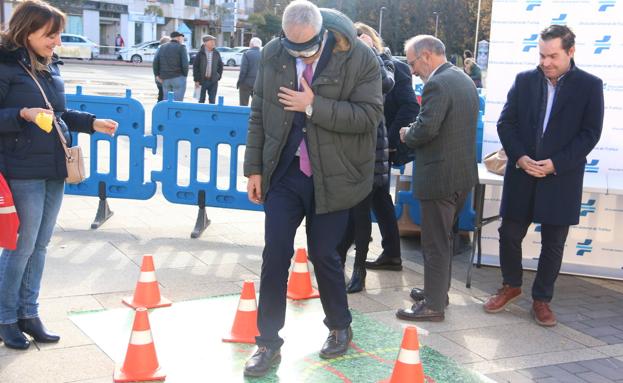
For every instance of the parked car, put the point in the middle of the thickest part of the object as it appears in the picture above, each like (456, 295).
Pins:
(232, 56)
(76, 46)
(139, 52)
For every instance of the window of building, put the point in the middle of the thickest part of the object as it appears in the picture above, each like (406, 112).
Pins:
(74, 25)
(191, 3)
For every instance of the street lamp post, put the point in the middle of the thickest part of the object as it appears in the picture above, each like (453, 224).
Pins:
(436, 22)
(381, 22)
(275, 7)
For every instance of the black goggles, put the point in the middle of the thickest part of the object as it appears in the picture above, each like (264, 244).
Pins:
(304, 50)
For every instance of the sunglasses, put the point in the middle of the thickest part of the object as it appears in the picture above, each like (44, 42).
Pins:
(303, 50)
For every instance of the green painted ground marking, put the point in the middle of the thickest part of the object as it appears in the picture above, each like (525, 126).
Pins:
(188, 342)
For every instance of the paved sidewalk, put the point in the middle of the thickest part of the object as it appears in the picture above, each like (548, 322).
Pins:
(93, 269)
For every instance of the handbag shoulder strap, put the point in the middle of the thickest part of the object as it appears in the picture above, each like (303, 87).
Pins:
(47, 103)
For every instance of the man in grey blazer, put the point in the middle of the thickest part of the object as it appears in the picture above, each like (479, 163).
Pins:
(444, 139)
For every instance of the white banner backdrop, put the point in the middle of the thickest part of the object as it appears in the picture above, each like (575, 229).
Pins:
(595, 246)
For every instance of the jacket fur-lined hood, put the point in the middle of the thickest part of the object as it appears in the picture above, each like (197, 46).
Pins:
(342, 27)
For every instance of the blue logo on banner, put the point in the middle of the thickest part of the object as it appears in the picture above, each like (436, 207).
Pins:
(602, 45)
(530, 43)
(531, 4)
(584, 247)
(592, 167)
(588, 207)
(605, 4)
(560, 20)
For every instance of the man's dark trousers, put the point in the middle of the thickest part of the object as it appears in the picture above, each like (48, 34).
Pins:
(553, 239)
(438, 217)
(245, 93)
(289, 200)
(211, 87)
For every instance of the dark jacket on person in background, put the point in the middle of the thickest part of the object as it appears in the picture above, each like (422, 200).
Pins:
(573, 130)
(341, 133)
(249, 67)
(171, 61)
(381, 165)
(401, 106)
(201, 63)
(26, 151)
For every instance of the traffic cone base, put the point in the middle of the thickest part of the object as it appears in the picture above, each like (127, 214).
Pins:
(120, 377)
(147, 291)
(299, 283)
(164, 302)
(244, 329)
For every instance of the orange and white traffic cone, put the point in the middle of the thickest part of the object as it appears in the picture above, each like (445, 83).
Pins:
(141, 362)
(147, 292)
(245, 329)
(299, 284)
(408, 367)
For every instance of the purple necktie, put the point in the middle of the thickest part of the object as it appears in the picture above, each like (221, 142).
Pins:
(304, 163)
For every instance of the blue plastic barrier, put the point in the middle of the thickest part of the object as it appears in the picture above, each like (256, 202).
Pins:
(203, 126)
(130, 115)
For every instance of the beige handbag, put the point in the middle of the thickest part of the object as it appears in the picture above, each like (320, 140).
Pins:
(73, 156)
(496, 162)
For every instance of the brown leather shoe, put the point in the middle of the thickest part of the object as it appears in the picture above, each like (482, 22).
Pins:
(542, 314)
(505, 296)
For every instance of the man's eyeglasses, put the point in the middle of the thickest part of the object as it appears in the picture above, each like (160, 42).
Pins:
(412, 63)
(303, 50)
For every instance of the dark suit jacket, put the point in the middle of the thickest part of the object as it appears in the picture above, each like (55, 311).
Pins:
(573, 130)
(444, 135)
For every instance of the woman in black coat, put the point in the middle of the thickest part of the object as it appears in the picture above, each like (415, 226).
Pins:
(32, 160)
(359, 226)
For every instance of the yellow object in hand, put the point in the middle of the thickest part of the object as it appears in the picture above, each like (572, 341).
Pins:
(44, 121)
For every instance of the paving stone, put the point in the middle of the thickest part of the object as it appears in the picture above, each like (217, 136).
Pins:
(573, 368)
(509, 340)
(559, 375)
(601, 331)
(605, 368)
(509, 377)
(592, 377)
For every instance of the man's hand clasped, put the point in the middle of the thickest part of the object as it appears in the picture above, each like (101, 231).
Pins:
(538, 169)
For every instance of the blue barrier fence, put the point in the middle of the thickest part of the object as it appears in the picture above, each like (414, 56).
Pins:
(198, 142)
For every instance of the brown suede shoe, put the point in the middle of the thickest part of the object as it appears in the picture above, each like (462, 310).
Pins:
(505, 296)
(542, 314)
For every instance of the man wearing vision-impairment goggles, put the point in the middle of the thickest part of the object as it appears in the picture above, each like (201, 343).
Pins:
(310, 155)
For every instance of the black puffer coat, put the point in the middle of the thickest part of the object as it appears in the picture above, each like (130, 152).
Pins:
(381, 165)
(26, 151)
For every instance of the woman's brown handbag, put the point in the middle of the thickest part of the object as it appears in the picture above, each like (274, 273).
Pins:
(496, 162)
(73, 155)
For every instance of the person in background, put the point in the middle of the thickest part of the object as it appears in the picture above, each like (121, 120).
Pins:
(119, 43)
(208, 69)
(163, 40)
(551, 121)
(171, 66)
(248, 70)
(310, 155)
(400, 108)
(445, 170)
(32, 160)
(359, 226)
(473, 71)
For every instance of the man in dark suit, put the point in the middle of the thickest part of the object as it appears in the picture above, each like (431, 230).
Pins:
(248, 70)
(551, 120)
(310, 155)
(444, 139)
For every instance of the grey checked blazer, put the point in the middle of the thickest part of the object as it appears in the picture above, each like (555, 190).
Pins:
(444, 135)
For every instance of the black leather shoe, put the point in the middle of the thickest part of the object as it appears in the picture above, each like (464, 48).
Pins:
(384, 262)
(13, 337)
(418, 295)
(262, 361)
(420, 312)
(36, 329)
(357, 280)
(337, 343)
